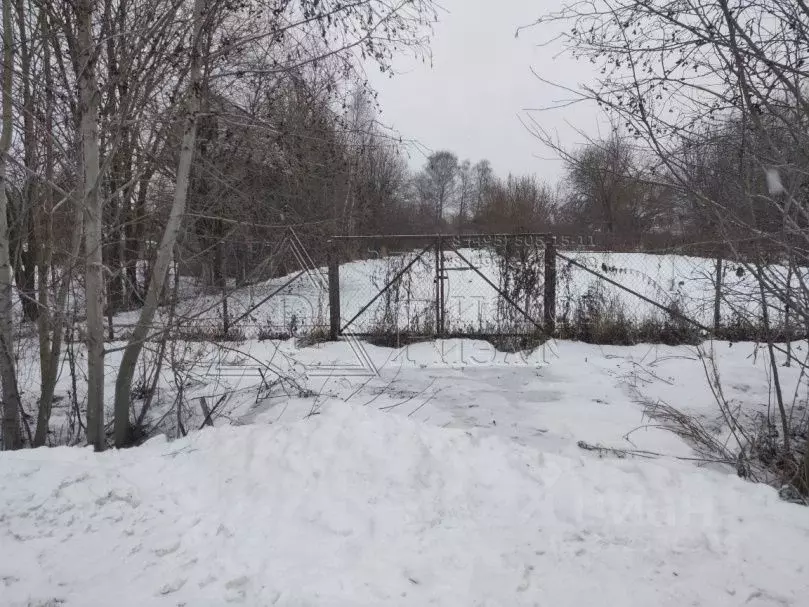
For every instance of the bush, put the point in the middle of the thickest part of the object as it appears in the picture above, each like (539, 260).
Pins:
(208, 333)
(597, 318)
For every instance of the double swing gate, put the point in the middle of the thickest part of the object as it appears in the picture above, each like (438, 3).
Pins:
(415, 286)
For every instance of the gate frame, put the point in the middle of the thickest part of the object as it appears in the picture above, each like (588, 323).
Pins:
(439, 243)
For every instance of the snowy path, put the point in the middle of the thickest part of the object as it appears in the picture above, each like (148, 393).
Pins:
(354, 507)
(560, 394)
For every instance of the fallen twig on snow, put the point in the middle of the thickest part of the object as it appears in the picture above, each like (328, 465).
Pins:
(623, 453)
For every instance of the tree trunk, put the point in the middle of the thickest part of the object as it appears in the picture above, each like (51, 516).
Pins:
(765, 316)
(49, 365)
(114, 146)
(123, 384)
(717, 300)
(50, 322)
(111, 254)
(11, 397)
(44, 225)
(220, 277)
(27, 241)
(25, 244)
(94, 269)
(135, 232)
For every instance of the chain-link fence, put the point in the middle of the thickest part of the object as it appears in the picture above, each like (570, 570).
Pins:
(419, 286)
(518, 288)
(533, 284)
(670, 295)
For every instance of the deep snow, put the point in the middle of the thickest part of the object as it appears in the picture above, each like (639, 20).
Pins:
(356, 507)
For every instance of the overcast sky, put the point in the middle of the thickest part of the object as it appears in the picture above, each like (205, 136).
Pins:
(480, 82)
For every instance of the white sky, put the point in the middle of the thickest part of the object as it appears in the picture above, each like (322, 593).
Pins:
(469, 101)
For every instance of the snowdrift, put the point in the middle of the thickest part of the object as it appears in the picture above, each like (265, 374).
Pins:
(353, 507)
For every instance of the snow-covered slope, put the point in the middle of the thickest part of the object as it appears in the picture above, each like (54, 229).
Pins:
(355, 507)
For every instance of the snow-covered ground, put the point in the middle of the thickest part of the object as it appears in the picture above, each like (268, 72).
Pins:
(356, 507)
(440, 473)
(451, 476)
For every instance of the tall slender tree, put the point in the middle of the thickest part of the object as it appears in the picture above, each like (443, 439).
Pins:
(92, 205)
(11, 397)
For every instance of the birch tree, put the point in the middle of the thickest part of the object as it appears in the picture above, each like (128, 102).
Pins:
(250, 41)
(92, 207)
(107, 96)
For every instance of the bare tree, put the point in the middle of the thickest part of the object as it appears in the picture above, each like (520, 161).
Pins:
(517, 204)
(11, 398)
(483, 178)
(100, 178)
(466, 194)
(436, 183)
(92, 203)
(609, 192)
(201, 16)
(675, 75)
(24, 233)
(249, 46)
(601, 180)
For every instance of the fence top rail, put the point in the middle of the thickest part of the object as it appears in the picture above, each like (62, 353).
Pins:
(443, 236)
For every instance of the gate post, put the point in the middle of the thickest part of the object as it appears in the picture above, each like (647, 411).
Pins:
(439, 289)
(439, 252)
(717, 301)
(549, 301)
(334, 290)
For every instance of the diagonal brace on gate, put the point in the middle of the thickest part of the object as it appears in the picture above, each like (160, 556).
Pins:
(500, 292)
(388, 285)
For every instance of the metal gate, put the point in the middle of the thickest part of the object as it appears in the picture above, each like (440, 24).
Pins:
(417, 286)
(516, 286)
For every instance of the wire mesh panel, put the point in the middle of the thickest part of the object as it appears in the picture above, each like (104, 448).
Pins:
(612, 297)
(441, 285)
(281, 293)
(387, 286)
(493, 285)
(669, 295)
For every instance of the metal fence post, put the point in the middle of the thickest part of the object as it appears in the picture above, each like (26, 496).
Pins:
(717, 302)
(549, 301)
(334, 291)
(441, 278)
(438, 288)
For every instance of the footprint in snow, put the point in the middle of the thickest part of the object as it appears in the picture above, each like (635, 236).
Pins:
(173, 586)
(167, 549)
